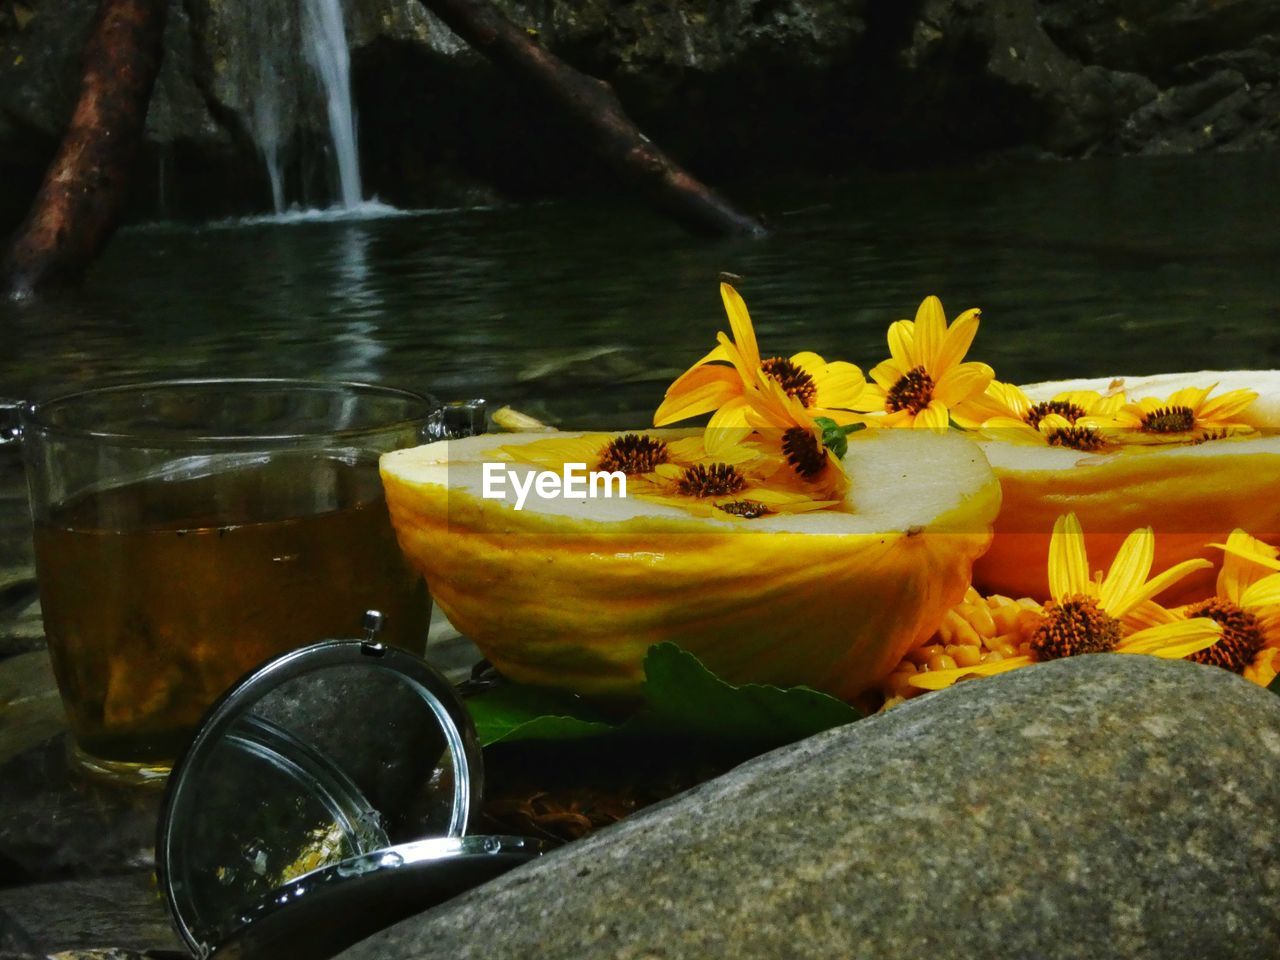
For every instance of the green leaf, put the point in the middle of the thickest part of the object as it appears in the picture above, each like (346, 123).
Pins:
(513, 711)
(684, 697)
(835, 437)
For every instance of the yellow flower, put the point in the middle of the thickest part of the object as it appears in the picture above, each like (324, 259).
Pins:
(638, 455)
(925, 379)
(1096, 614)
(1188, 415)
(785, 428)
(744, 484)
(1247, 605)
(739, 481)
(1079, 419)
(823, 389)
(727, 491)
(634, 454)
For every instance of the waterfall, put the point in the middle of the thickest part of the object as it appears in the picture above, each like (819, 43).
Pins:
(325, 43)
(265, 78)
(264, 122)
(296, 56)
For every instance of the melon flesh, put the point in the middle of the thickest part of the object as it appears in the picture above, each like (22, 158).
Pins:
(573, 593)
(1189, 495)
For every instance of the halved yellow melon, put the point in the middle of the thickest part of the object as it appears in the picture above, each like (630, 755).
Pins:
(571, 593)
(1190, 495)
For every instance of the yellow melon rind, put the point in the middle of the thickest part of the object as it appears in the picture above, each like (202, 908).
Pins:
(1190, 495)
(573, 595)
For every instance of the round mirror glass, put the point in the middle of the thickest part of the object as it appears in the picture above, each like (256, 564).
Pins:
(327, 754)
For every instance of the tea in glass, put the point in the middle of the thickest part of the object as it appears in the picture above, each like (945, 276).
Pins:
(187, 531)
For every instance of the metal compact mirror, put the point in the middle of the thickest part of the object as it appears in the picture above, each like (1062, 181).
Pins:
(326, 796)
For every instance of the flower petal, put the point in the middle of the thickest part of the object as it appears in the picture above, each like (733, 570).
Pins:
(1227, 406)
(1173, 641)
(1111, 407)
(1068, 563)
(727, 427)
(940, 679)
(931, 328)
(1263, 669)
(837, 384)
(956, 342)
(1263, 593)
(555, 451)
(1128, 572)
(1001, 400)
(744, 335)
(1271, 563)
(887, 373)
(1158, 584)
(933, 417)
(1149, 614)
(748, 372)
(902, 334)
(1243, 562)
(1191, 397)
(698, 391)
(963, 382)
(1011, 431)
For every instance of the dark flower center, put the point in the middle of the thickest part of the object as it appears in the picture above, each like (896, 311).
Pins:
(748, 509)
(715, 480)
(1073, 626)
(1169, 420)
(792, 379)
(912, 392)
(1241, 635)
(804, 452)
(1063, 408)
(1077, 438)
(1208, 436)
(633, 453)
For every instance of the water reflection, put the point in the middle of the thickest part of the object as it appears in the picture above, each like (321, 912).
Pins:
(584, 312)
(356, 305)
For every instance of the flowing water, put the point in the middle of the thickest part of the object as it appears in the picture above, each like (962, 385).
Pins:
(583, 313)
(267, 76)
(296, 54)
(325, 41)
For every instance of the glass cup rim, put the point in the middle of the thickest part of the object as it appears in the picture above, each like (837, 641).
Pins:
(34, 413)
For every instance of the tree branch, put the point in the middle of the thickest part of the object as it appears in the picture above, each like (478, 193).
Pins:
(81, 198)
(593, 108)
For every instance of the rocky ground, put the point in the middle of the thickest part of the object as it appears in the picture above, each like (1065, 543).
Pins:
(1097, 807)
(735, 88)
(1094, 807)
(76, 858)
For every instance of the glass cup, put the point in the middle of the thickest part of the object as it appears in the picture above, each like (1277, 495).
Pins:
(188, 530)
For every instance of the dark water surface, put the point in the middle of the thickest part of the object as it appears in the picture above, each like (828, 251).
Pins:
(583, 313)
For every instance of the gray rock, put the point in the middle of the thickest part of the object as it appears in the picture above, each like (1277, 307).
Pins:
(999, 50)
(107, 919)
(834, 82)
(39, 69)
(30, 708)
(1078, 77)
(21, 624)
(57, 825)
(1155, 37)
(1193, 117)
(1094, 807)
